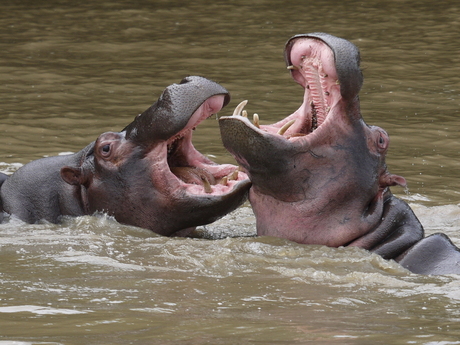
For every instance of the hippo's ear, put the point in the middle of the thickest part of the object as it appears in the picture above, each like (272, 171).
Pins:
(398, 180)
(392, 180)
(73, 176)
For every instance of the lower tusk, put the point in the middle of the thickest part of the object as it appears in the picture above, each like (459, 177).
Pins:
(255, 120)
(292, 67)
(239, 108)
(206, 185)
(285, 127)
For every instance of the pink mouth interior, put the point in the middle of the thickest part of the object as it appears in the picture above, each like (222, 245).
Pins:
(313, 67)
(188, 169)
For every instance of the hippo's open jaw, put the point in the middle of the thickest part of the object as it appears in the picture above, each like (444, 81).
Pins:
(312, 65)
(313, 62)
(165, 132)
(190, 170)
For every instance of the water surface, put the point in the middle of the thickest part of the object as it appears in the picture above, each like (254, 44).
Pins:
(69, 72)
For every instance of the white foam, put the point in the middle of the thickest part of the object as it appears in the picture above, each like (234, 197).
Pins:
(39, 310)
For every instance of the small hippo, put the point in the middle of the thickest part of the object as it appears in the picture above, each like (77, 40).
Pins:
(319, 176)
(148, 175)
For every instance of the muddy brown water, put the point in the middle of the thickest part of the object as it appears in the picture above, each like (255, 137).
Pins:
(70, 71)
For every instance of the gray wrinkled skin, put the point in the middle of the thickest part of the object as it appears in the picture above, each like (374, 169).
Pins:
(330, 184)
(128, 174)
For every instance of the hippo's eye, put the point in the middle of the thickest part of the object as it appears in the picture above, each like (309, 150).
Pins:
(105, 150)
(382, 143)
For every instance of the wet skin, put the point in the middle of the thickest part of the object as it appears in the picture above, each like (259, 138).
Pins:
(319, 176)
(148, 175)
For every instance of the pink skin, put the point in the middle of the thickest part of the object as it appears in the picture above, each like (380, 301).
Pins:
(319, 67)
(332, 188)
(175, 186)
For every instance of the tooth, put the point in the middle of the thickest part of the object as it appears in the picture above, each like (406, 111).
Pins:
(285, 127)
(224, 181)
(244, 113)
(206, 185)
(239, 107)
(240, 168)
(255, 120)
(292, 67)
(233, 175)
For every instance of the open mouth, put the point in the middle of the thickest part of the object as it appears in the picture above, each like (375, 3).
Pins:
(312, 65)
(193, 171)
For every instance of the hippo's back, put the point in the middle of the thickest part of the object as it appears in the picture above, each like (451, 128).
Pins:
(34, 191)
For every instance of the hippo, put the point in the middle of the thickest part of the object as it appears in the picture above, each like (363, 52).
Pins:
(148, 175)
(319, 175)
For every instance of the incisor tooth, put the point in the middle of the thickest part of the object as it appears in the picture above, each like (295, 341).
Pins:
(244, 113)
(239, 107)
(285, 127)
(255, 120)
(224, 181)
(206, 185)
(292, 67)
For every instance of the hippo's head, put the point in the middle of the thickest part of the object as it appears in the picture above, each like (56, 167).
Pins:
(319, 175)
(150, 175)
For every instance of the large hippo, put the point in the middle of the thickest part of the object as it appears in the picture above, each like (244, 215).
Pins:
(319, 175)
(148, 175)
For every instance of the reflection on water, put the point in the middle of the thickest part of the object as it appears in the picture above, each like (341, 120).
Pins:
(69, 72)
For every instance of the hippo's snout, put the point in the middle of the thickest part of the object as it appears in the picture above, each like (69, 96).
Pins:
(173, 109)
(346, 57)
